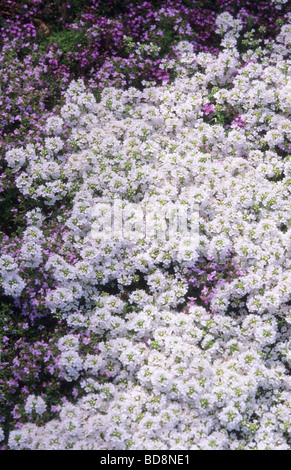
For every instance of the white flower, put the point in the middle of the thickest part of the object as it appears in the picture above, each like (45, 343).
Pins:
(16, 158)
(35, 404)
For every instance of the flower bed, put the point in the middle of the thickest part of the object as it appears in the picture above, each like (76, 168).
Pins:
(160, 342)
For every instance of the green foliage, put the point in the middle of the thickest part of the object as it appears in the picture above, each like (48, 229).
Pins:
(67, 39)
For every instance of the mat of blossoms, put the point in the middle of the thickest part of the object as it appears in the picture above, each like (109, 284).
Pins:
(146, 227)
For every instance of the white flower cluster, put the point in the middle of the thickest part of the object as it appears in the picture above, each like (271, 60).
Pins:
(10, 280)
(34, 217)
(178, 380)
(198, 383)
(31, 251)
(70, 363)
(35, 404)
(54, 125)
(226, 23)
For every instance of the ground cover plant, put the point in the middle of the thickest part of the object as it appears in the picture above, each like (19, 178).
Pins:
(119, 343)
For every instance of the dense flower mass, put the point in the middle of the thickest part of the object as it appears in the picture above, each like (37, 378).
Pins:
(163, 341)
